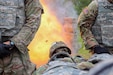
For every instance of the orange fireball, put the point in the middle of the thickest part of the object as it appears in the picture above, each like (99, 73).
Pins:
(50, 30)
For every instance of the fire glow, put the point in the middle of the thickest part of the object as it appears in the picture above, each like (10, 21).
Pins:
(50, 30)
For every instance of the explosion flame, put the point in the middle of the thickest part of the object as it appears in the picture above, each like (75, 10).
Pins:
(52, 28)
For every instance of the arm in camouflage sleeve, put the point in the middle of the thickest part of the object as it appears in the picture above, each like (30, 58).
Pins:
(33, 11)
(85, 21)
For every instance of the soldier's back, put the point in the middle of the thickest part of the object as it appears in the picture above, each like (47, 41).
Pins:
(60, 67)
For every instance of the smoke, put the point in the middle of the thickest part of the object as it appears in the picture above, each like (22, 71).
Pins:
(61, 8)
(65, 14)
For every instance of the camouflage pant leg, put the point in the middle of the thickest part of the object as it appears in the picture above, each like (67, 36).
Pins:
(15, 65)
(12, 66)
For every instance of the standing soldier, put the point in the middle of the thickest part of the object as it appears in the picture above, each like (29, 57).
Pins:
(96, 26)
(19, 21)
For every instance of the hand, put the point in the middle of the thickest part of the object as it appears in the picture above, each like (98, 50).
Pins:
(99, 50)
(6, 42)
(85, 65)
(4, 50)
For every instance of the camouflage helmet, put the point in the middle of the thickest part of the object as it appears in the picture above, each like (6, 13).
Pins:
(58, 45)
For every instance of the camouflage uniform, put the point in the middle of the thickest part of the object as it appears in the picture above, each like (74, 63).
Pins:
(103, 68)
(95, 23)
(61, 63)
(72, 66)
(63, 66)
(19, 22)
(96, 27)
(81, 64)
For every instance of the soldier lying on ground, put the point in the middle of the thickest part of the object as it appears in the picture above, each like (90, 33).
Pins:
(61, 61)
